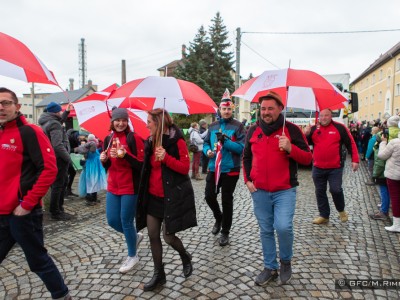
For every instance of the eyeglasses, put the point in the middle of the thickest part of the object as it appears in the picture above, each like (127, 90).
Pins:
(6, 103)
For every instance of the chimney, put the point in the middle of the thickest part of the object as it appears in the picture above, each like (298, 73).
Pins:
(183, 51)
(89, 83)
(71, 84)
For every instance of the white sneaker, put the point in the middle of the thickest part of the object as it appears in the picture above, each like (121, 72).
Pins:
(129, 263)
(139, 239)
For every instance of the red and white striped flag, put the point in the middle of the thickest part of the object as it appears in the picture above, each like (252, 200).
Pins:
(218, 160)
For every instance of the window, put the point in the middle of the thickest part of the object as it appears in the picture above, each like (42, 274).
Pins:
(373, 78)
(388, 81)
(30, 116)
(372, 116)
(372, 99)
(398, 64)
(387, 103)
(366, 101)
(397, 90)
(379, 115)
(380, 74)
(380, 96)
(367, 83)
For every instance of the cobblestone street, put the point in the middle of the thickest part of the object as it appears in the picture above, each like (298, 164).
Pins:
(89, 253)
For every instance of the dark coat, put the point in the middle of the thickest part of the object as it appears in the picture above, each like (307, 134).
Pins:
(180, 209)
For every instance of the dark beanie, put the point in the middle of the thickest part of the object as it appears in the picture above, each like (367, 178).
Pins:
(53, 107)
(119, 113)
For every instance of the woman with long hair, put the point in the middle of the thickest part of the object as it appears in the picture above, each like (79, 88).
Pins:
(166, 197)
(122, 157)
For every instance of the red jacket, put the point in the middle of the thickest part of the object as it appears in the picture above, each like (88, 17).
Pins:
(124, 173)
(268, 167)
(328, 141)
(27, 165)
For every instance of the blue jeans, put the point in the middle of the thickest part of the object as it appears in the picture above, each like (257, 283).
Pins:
(385, 198)
(121, 212)
(321, 178)
(27, 231)
(275, 211)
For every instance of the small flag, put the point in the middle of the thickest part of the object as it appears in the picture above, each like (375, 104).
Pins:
(218, 160)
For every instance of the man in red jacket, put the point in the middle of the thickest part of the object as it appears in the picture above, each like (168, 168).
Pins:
(270, 158)
(329, 139)
(27, 169)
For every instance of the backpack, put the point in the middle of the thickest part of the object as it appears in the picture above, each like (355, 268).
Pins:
(192, 146)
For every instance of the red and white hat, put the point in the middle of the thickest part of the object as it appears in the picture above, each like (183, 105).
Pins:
(226, 99)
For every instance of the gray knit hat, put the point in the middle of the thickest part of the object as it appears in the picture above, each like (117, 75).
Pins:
(119, 113)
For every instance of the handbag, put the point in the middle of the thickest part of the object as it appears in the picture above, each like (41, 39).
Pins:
(193, 147)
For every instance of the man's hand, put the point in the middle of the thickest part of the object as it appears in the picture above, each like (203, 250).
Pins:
(220, 137)
(251, 186)
(354, 166)
(284, 143)
(210, 154)
(19, 211)
(307, 130)
(69, 107)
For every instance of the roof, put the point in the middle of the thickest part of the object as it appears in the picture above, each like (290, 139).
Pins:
(61, 98)
(379, 62)
(172, 64)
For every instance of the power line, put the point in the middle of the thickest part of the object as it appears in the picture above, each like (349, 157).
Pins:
(322, 32)
(260, 55)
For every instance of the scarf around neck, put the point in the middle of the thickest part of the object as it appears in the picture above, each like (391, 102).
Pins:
(268, 129)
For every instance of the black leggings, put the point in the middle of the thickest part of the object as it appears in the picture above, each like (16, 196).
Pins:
(154, 231)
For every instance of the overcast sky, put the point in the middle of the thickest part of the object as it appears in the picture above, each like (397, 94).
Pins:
(149, 34)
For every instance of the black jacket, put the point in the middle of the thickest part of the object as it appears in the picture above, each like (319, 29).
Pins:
(180, 209)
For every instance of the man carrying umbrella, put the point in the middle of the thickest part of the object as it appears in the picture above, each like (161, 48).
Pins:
(228, 133)
(271, 153)
(328, 138)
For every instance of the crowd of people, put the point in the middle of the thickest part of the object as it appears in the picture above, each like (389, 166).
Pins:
(148, 183)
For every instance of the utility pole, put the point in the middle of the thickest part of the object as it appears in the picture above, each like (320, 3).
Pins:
(237, 74)
(82, 62)
(33, 103)
(123, 79)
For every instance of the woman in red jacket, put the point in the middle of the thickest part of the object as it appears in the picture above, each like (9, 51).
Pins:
(122, 157)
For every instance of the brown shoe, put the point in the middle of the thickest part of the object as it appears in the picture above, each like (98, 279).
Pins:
(320, 220)
(198, 177)
(343, 216)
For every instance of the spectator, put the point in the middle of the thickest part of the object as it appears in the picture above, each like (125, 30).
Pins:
(93, 176)
(204, 158)
(73, 138)
(51, 121)
(391, 153)
(370, 155)
(27, 169)
(196, 139)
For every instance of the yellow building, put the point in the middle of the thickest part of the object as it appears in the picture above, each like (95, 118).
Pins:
(378, 87)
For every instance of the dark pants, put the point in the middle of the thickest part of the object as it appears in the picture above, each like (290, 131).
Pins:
(71, 176)
(321, 178)
(27, 231)
(227, 184)
(204, 163)
(58, 188)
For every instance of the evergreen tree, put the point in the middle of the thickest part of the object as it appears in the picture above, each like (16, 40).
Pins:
(222, 60)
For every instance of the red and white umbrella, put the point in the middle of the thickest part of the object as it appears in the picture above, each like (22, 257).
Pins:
(175, 95)
(95, 117)
(17, 61)
(298, 88)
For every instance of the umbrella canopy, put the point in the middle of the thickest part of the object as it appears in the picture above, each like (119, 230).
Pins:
(17, 61)
(175, 95)
(298, 88)
(95, 117)
(100, 96)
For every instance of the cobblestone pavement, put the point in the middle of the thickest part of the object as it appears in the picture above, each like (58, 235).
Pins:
(89, 253)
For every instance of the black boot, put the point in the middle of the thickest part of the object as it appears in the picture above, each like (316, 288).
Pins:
(158, 279)
(187, 264)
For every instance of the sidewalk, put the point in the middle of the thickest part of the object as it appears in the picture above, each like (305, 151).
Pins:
(89, 253)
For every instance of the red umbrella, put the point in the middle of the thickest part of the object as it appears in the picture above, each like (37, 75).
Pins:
(94, 116)
(175, 95)
(100, 96)
(298, 88)
(18, 62)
